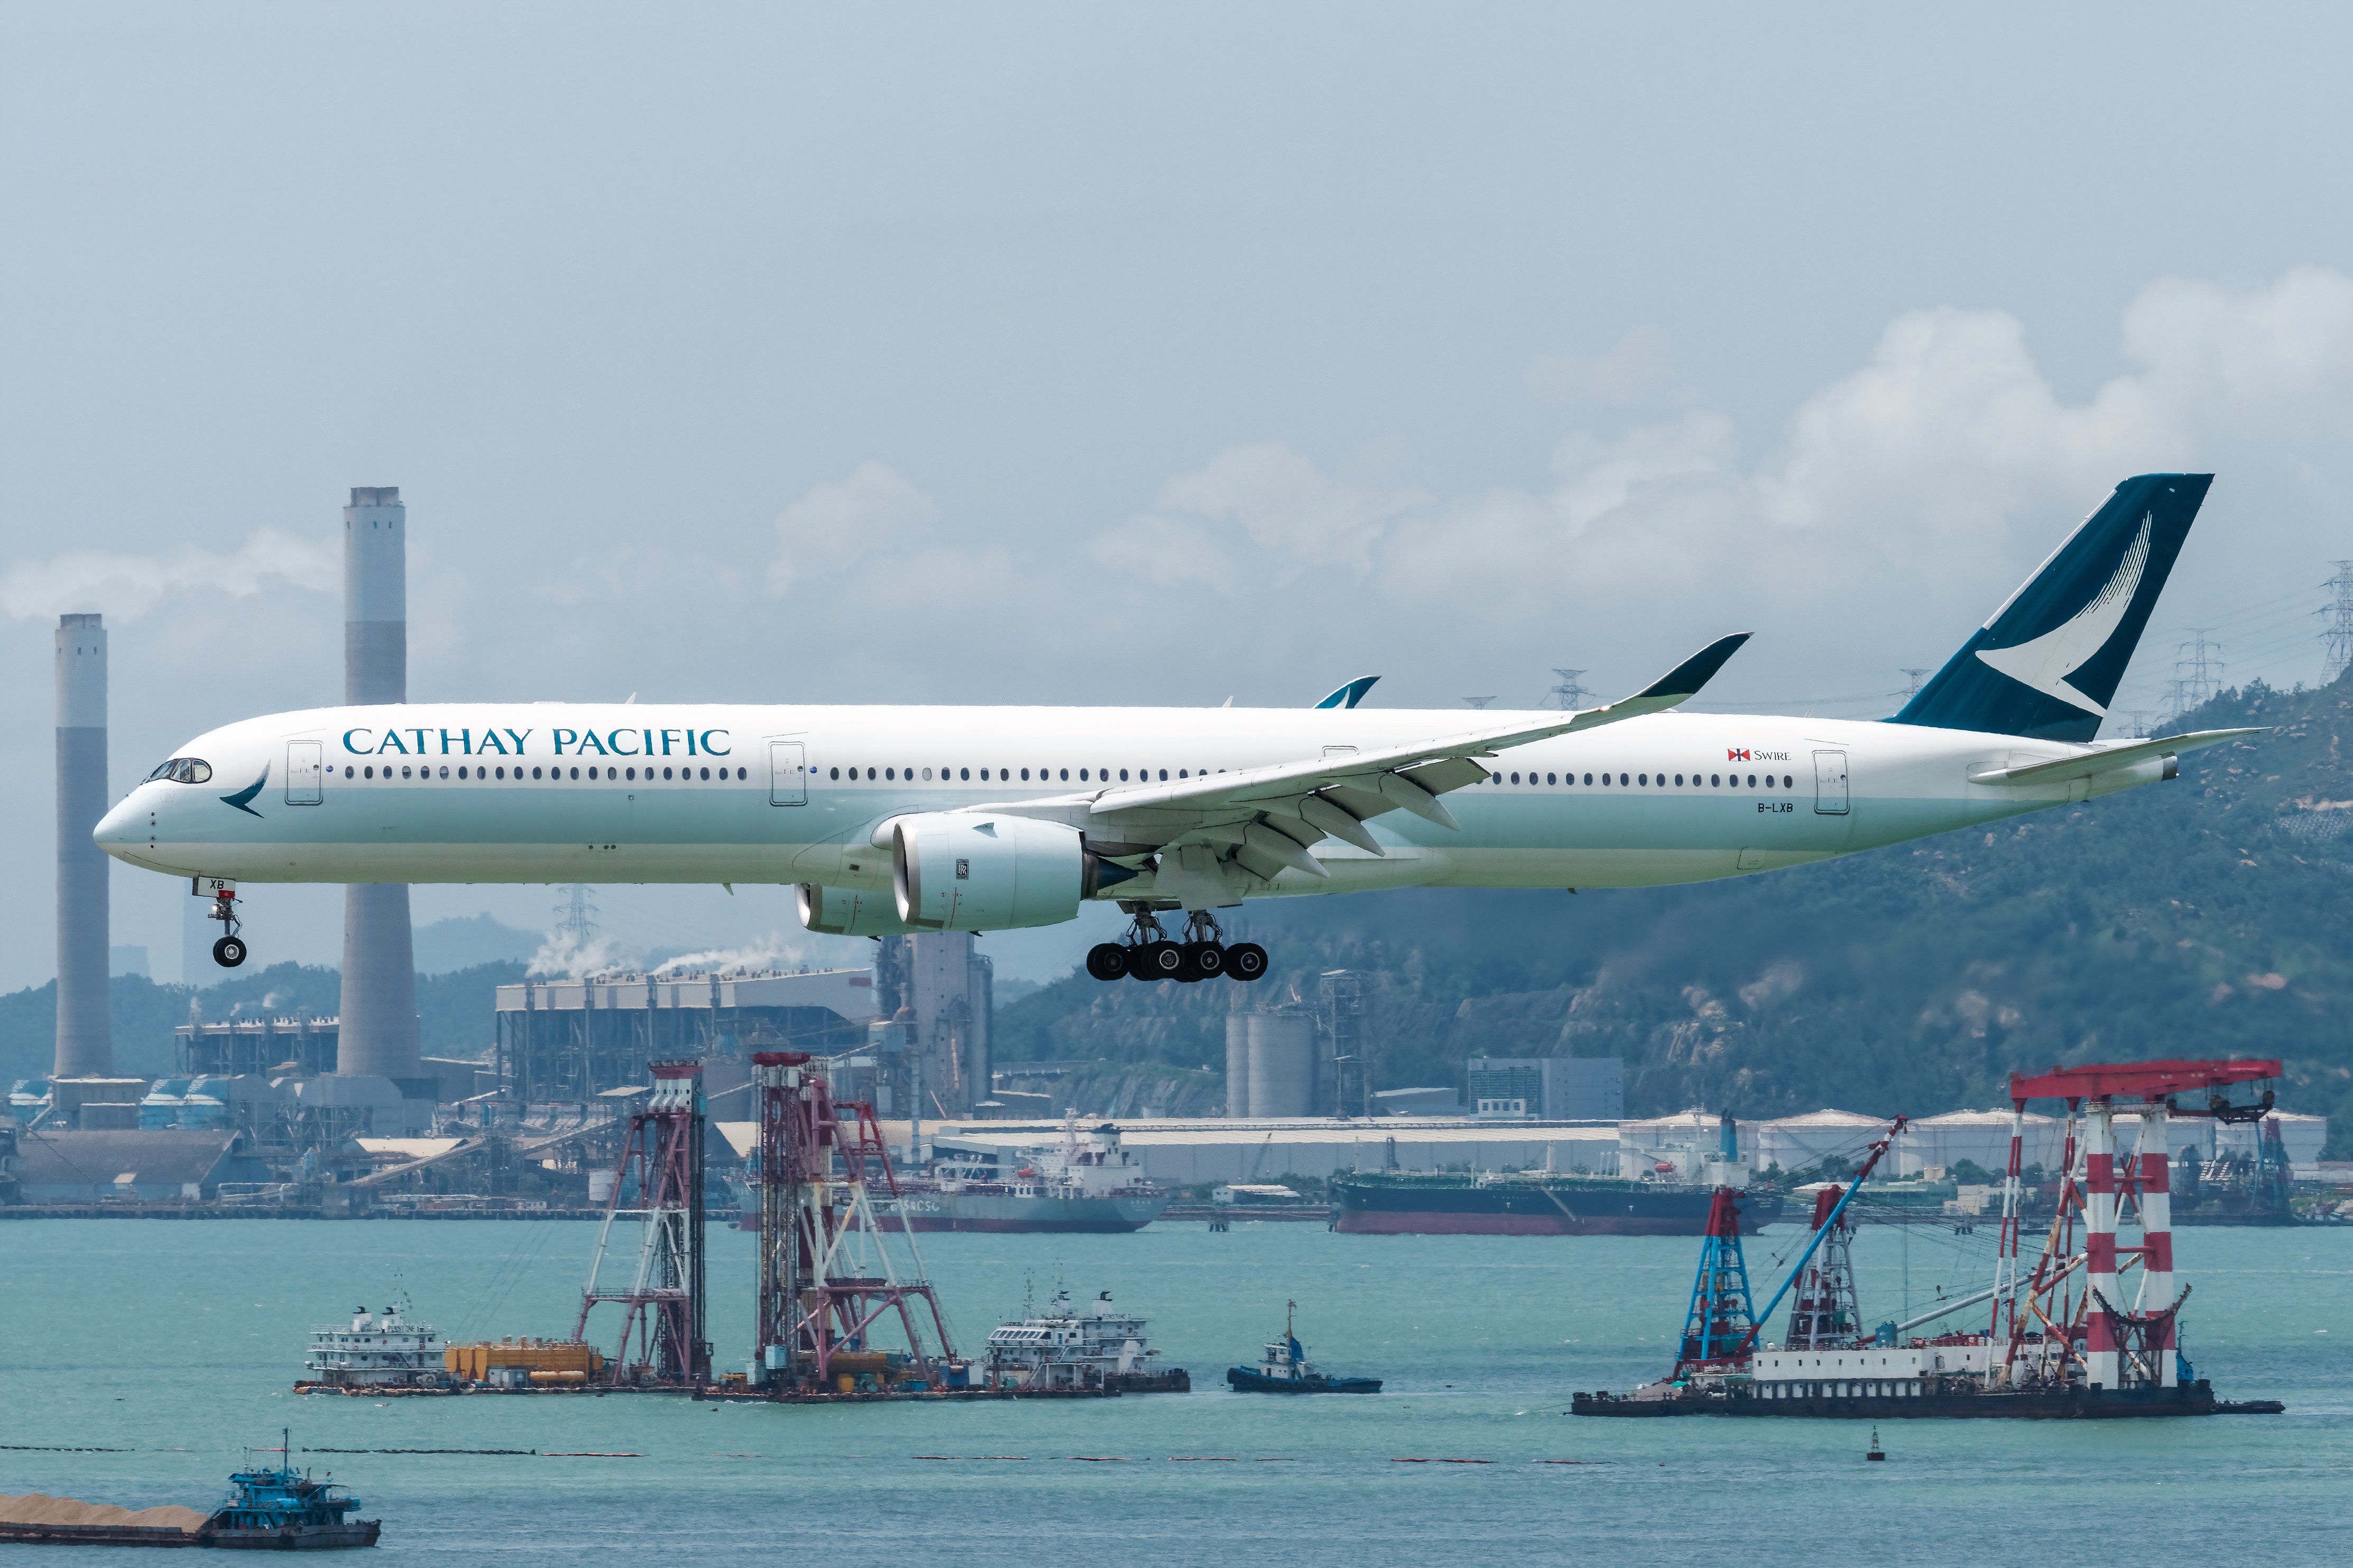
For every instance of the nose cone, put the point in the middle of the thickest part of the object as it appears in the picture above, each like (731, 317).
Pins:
(123, 827)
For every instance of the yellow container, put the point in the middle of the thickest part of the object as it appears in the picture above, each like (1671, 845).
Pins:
(473, 1362)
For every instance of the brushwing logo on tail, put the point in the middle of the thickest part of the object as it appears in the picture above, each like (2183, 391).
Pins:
(2045, 662)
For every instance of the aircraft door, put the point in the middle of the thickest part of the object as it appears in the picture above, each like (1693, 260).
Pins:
(1829, 784)
(787, 773)
(305, 772)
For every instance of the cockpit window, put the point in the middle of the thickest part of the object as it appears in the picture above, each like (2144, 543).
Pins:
(184, 770)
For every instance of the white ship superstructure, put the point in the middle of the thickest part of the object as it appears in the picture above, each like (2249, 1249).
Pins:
(384, 1348)
(1067, 1347)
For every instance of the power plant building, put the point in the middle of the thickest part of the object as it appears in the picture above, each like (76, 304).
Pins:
(1556, 1088)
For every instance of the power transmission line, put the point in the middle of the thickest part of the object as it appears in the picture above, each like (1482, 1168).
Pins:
(1569, 694)
(573, 914)
(1477, 701)
(1912, 680)
(2337, 635)
(2197, 678)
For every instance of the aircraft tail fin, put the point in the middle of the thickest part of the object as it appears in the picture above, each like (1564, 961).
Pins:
(2047, 663)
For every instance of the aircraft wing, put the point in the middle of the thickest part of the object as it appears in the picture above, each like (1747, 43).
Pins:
(2107, 759)
(1262, 820)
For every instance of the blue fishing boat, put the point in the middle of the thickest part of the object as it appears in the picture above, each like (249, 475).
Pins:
(283, 1510)
(1285, 1369)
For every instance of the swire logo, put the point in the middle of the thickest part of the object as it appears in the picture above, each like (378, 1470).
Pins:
(1737, 755)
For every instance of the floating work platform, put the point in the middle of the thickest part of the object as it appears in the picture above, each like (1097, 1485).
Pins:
(1957, 1397)
(746, 1395)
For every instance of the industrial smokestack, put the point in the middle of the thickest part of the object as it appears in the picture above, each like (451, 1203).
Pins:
(85, 1024)
(378, 1033)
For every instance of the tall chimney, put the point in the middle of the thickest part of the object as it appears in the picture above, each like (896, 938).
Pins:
(378, 1034)
(85, 1024)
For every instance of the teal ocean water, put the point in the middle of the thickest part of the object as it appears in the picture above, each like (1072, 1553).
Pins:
(178, 1342)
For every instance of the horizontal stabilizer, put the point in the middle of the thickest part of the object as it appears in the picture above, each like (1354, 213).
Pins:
(2108, 759)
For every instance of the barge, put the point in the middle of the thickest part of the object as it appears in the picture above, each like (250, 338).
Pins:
(2089, 1331)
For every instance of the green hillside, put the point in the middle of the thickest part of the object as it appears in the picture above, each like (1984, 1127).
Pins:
(2207, 916)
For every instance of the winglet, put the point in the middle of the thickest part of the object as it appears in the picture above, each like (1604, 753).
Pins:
(1683, 682)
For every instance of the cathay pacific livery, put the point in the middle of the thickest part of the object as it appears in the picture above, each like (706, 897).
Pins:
(978, 819)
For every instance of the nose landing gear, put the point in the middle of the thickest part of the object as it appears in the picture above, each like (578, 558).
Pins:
(1148, 953)
(229, 950)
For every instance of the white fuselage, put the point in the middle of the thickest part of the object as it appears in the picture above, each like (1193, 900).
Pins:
(615, 792)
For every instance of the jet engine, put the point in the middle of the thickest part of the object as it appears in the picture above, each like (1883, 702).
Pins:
(951, 871)
(849, 911)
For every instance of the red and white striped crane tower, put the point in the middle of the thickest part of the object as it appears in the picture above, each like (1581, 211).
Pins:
(2070, 1319)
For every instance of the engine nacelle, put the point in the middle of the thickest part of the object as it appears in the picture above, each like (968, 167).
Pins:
(849, 911)
(951, 871)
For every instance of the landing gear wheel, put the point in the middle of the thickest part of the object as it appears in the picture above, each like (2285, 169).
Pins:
(1154, 961)
(1205, 960)
(229, 951)
(1107, 960)
(1245, 960)
(1188, 964)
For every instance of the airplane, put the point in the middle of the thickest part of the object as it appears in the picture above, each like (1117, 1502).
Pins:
(899, 819)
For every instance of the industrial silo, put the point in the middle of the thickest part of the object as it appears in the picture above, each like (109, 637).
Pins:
(1238, 1063)
(1282, 1062)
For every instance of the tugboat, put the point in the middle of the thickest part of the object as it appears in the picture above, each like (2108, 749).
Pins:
(1285, 1369)
(283, 1510)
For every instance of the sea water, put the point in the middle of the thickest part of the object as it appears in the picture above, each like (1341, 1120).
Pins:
(173, 1346)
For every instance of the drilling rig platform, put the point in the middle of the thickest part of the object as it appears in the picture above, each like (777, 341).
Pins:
(2066, 1339)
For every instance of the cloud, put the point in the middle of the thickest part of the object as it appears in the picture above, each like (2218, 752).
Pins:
(1918, 487)
(843, 524)
(1636, 371)
(125, 587)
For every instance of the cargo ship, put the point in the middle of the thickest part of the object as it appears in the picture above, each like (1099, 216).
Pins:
(1531, 1203)
(1088, 1184)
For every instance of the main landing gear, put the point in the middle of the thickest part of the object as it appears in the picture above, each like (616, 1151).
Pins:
(1149, 953)
(229, 950)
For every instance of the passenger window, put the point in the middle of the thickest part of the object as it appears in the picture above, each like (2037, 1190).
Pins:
(1515, 778)
(927, 775)
(837, 773)
(1494, 778)
(1082, 775)
(1180, 774)
(889, 773)
(1066, 774)
(1025, 776)
(1122, 776)
(1715, 780)
(534, 772)
(1679, 779)
(1752, 781)
(1164, 774)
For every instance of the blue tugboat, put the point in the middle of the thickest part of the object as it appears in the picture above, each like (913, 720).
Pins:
(285, 1511)
(1285, 1369)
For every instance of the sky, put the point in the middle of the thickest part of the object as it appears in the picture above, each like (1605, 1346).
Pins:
(1122, 353)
